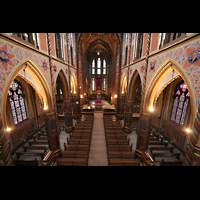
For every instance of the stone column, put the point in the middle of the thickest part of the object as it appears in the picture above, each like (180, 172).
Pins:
(193, 140)
(120, 108)
(76, 106)
(143, 134)
(68, 116)
(52, 133)
(128, 116)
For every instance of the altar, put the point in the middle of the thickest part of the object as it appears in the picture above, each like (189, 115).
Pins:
(98, 104)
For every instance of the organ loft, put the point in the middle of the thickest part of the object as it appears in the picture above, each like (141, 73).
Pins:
(99, 99)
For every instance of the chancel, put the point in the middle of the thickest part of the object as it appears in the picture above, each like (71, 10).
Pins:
(99, 99)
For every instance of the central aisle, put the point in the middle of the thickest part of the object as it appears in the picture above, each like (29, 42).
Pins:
(98, 154)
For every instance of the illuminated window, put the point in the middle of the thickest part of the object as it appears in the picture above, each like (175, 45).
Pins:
(98, 66)
(93, 84)
(180, 105)
(93, 67)
(104, 84)
(17, 104)
(104, 67)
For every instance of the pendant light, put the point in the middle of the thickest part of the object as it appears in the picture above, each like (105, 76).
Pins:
(98, 52)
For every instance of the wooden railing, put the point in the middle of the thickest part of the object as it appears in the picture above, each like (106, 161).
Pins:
(177, 134)
(24, 129)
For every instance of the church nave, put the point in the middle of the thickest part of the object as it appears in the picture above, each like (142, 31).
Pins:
(99, 99)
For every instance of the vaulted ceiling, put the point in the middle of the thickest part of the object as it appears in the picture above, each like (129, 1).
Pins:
(105, 43)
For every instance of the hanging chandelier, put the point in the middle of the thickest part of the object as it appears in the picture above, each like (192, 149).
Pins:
(98, 52)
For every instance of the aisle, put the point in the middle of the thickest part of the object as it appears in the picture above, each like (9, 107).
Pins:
(98, 154)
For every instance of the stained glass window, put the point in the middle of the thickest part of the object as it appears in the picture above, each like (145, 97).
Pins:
(104, 67)
(93, 67)
(104, 84)
(99, 66)
(180, 105)
(17, 104)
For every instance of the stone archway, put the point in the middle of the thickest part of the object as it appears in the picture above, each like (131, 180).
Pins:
(157, 79)
(39, 78)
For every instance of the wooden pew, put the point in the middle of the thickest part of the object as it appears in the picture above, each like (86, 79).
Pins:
(84, 125)
(116, 132)
(83, 128)
(120, 155)
(123, 163)
(37, 142)
(72, 162)
(171, 163)
(35, 148)
(84, 122)
(41, 138)
(26, 162)
(79, 132)
(119, 147)
(76, 147)
(75, 154)
(112, 125)
(78, 141)
(166, 155)
(118, 142)
(158, 143)
(155, 139)
(116, 137)
(109, 111)
(73, 136)
(42, 154)
(161, 148)
(114, 128)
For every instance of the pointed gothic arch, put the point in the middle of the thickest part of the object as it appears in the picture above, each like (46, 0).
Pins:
(123, 85)
(64, 82)
(156, 80)
(39, 78)
(134, 80)
(74, 87)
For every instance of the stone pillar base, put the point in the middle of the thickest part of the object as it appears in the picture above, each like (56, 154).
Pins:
(127, 130)
(68, 116)
(69, 129)
(144, 131)
(52, 129)
(120, 117)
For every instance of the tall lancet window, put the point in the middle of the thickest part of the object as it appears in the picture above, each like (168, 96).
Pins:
(93, 67)
(93, 84)
(104, 67)
(98, 66)
(17, 104)
(104, 84)
(180, 105)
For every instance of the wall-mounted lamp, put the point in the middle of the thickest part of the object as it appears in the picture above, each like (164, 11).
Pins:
(187, 130)
(115, 96)
(151, 108)
(8, 129)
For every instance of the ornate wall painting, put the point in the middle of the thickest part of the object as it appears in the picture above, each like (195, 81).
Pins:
(194, 56)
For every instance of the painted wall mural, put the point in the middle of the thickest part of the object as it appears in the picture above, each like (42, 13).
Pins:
(16, 55)
(187, 56)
